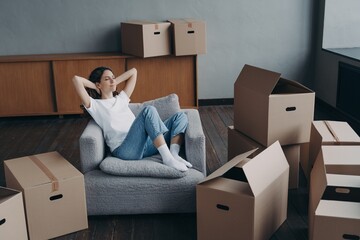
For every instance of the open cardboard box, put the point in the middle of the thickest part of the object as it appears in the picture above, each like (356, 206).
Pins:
(189, 36)
(324, 132)
(54, 194)
(12, 215)
(245, 197)
(268, 108)
(239, 143)
(334, 202)
(145, 38)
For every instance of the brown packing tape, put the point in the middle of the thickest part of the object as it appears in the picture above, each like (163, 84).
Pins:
(189, 23)
(48, 173)
(332, 131)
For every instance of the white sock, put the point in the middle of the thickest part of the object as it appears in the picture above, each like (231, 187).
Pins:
(169, 160)
(175, 149)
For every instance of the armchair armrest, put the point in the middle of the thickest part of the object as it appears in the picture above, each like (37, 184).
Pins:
(92, 147)
(195, 148)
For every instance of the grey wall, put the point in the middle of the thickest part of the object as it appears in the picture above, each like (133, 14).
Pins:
(275, 34)
(341, 24)
(327, 63)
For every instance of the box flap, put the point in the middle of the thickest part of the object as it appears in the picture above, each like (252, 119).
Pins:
(315, 144)
(232, 163)
(285, 86)
(257, 79)
(318, 181)
(263, 169)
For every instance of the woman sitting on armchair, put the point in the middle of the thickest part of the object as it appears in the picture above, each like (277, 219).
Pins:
(130, 138)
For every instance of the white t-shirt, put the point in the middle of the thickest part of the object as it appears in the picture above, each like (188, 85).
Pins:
(113, 116)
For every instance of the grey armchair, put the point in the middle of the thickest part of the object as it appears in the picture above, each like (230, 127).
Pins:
(132, 193)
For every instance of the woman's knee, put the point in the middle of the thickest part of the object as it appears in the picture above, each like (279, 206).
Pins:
(181, 117)
(149, 110)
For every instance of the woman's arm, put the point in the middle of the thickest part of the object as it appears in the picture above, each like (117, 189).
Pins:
(80, 84)
(130, 77)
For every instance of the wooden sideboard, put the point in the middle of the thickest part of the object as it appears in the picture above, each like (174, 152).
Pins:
(42, 84)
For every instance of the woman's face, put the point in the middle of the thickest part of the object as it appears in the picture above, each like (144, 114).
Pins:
(107, 82)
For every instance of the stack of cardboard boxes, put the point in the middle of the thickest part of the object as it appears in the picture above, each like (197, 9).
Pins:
(268, 108)
(150, 39)
(333, 163)
(247, 197)
(53, 198)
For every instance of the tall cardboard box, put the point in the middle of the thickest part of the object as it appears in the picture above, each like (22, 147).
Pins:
(245, 198)
(12, 215)
(239, 143)
(145, 38)
(334, 203)
(268, 108)
(188, 36)
(54, 194)
(328, 133)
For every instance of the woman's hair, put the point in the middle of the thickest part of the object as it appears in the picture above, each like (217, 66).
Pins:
(95, 77)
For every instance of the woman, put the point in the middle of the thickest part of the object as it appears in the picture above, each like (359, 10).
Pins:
(130, 138)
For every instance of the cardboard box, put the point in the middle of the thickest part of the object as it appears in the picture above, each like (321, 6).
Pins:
(245, 197)
(341, 159)
(337, 220)
(239, 143)
(189, 36)
(54, 194)
(12, 215)
(326, 132)
(145, 38)
(268, 108)
(334, 203)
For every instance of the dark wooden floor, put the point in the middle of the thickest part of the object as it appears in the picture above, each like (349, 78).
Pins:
(32, 135)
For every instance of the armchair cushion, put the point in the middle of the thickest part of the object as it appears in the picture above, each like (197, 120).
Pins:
(166, 106)
(148, 167)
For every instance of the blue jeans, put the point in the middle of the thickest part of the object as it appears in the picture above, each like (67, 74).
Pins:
(148, 125)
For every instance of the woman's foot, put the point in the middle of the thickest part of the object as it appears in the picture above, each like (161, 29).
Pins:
(180, 159)
(172, 162)
(169, 160)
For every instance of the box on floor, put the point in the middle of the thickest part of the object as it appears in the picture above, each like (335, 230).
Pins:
(54, 194)
(12, 215)
(334, 202)
(245, 197)
(324, 132)
(268, 108)
(145, 38)
(239, 143)
(188, 36)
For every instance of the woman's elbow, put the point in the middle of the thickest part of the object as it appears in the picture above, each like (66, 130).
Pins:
(76, 80)
(134, 71)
